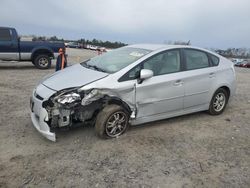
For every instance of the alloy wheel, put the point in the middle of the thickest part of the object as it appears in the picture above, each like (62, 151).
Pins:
(219, 102)
(116, 124)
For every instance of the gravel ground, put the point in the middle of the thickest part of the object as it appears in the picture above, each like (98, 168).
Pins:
(196, 150)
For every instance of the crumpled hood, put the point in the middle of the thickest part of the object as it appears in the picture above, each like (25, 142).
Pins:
(73, 76)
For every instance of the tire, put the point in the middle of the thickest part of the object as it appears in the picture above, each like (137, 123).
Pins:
(218, 102)
(42, 62)
(107, 125)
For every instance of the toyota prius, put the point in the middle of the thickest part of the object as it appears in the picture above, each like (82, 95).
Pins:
(133, 85)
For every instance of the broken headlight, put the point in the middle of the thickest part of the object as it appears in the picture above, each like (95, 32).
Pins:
(68, 98)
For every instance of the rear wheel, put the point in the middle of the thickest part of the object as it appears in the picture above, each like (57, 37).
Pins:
(218, 102)
(42, 62)
(111, 122)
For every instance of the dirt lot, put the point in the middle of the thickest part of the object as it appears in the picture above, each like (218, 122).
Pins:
(195, 150)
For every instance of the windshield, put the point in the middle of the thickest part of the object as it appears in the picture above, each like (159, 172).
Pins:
(115, 60)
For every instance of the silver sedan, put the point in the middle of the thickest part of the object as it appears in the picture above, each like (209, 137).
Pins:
(133, 85)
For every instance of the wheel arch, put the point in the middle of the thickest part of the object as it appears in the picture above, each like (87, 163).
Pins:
(227, 89)
(224, 86)
(211, 109)
(118, 101)
(108, 100)
(41, 51)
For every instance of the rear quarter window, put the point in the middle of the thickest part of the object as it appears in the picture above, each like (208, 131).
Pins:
(215, 60)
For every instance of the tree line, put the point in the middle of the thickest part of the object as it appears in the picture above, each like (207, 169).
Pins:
(230, 52)
(82, 41)
(234, 52)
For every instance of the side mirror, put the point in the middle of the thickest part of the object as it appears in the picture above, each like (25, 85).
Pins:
(145, 74)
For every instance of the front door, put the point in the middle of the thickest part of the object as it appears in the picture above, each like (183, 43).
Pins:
(164, 92)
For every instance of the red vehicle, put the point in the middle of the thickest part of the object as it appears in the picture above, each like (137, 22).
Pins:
(243, 64)
(247, 65)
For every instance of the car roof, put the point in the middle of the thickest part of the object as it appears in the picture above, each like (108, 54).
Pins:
(1, 27)
(154, 47)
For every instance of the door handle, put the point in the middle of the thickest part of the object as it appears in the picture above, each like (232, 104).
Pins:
(211, 75)
(178, 83)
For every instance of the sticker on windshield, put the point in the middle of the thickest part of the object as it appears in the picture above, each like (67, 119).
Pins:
(136, 54)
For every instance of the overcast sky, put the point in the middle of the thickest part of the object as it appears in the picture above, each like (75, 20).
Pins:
(207, 23)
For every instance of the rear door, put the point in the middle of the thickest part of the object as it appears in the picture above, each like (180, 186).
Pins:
(199, 78)
(8, 45)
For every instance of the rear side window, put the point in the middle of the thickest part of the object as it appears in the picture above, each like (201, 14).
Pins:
(215, 60)
(5, 35)
(196, 59)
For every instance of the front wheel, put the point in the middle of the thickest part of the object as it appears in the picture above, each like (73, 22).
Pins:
(218, 102)
(111, 122)
(42, 62)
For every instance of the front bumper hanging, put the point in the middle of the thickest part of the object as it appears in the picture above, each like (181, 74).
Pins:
(39, 116)
(41, 126)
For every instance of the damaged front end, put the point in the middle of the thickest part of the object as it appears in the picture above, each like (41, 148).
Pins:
(68, 107)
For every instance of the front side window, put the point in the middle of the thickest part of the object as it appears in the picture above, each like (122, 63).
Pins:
(164, 63)
(116, 60)
(5, 35)
(195, 59)
(131, 74)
